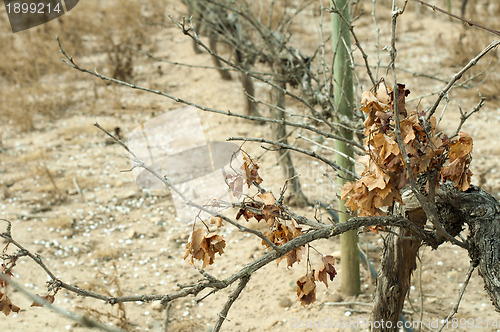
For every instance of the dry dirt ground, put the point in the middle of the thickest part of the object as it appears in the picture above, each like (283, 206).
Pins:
(115, 239)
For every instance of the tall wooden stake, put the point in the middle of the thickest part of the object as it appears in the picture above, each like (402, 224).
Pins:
(343, 95)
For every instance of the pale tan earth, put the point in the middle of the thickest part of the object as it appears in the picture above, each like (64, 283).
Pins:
(115, 231)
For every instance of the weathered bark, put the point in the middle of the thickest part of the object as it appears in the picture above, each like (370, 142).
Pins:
(475, 208)
(397, 264)
(481, 212)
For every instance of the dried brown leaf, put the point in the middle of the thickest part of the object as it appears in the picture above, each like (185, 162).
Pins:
(267, 198)
(235, 182)
(6, 305)
(461, 147)
(251, 171)
(306, 290)
(326, 270)
(48, 298)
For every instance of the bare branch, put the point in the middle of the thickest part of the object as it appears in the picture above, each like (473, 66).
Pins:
(69, 61)
(82, 320)
(458, 75)
(470, 23)
(232, 297)
(465, 116)
(460, 295)
(294, 148)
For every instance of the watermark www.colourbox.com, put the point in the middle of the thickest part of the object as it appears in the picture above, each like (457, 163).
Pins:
(26, 14)
(174, 146)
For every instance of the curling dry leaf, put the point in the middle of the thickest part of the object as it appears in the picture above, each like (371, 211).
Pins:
(326, 270)
(270, 210)
(458, 170)
(267, 198)
(203, 247)
(459, 173)
(250, 210)
(251, 171)
(235, 183)
(6, 306)
(281, 234)
(462, 147)
(48, 298)
(306, 290)
(293, 256)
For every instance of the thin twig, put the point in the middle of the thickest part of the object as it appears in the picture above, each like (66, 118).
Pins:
(458, 75)
(232, 297)
(470, 23)
(377, 43)
(7, 235)
(460, 295)
(82, 320)
(69, 61)
(165, 320)
(335, 10)
(176, 63)
(294, 148)
(464, 116)
(330, 149)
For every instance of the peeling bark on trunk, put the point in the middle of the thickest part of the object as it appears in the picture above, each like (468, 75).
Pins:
(397, 264)
(475, 208)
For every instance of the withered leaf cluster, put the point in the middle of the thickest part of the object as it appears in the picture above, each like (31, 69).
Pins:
(265, 207)
(203, 247)
(279, 234)
(281, 228)
(251, 170)
(248, 176)
(6, 305)
(306, 285)
(384, 171)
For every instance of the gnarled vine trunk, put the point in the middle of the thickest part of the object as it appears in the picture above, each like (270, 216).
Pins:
(475, 208)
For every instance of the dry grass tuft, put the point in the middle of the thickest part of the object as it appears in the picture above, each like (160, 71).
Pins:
(31, 58)
(118, 316)
(472, 41)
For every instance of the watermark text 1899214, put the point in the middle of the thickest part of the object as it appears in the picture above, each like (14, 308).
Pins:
(26, 14)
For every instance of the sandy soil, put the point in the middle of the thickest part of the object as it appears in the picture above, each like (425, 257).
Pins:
(116, 239)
